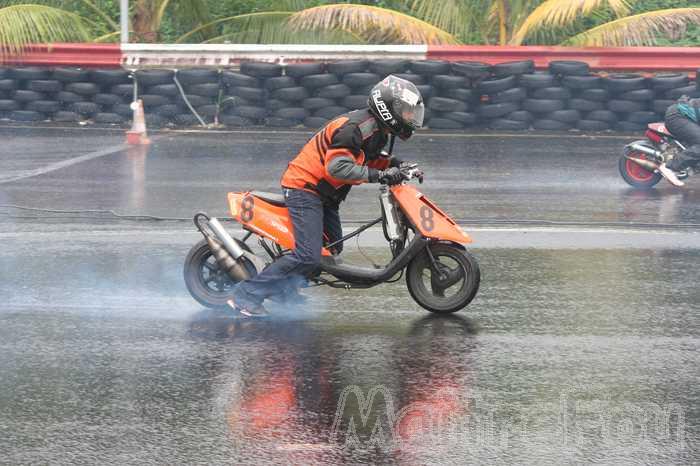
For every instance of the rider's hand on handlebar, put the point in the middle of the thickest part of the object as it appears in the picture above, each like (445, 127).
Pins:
(391, 176)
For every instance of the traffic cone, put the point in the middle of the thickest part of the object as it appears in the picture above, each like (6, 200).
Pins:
(137, 134)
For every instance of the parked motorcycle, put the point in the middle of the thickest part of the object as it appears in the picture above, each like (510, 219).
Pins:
(426, 245)
(639, 164)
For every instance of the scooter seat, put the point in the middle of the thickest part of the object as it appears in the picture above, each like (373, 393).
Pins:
(272, 198)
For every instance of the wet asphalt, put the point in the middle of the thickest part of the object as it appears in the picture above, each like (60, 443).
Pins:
(581, 346)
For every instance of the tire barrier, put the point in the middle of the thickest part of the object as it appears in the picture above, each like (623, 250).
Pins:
(510, 96)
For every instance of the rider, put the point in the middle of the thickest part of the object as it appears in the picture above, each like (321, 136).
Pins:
(683, 121)
(347, 151)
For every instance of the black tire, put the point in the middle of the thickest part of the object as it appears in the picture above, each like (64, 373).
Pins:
(343, 67)
(26, 115)
(446, 81)
(316, 81)
(83, 88)
(643, 117)
(666, 81)
(551, 125)
(70, 97)
(431, 297)
(70, 75)
(497, 110)
(384, 68)
(168, 110)
(354, 102)
(638, 95)
(126, 90)
(493, 85)
(251, 94)
(291, 94)
(151, 100)
(7, 105)
(635, 175)
(201, 270)
(252, 113)
(557, 93)
(365, 90)
(198, 100)
(513, 68)
(466, 118)
(276, 122)
(624, 82)
(592, 125)
(565, 116)
(441, 104)
(361, 80)
(660, 106)
(153, 77)
(205, 90)
(260, 69)
(515, 94)
(315, 122)
(596, 95)
(505, 124)
(316, 103)
(4, 72)
(291, 113)
(186, 119)
(299, 70)
(44, 106)
(87, 109)
(168, 90)
(416, 79)
(280, 82)
(107, 99)
(426, 91)
(537, 80)
(233, 79)
(582, 82)
(543, 105)
(276, 104)
(8, 85)
(629, 126)
(585, 105)
(569, 68)
(208, 111)
(692, 91)
(65, 117)
(465, 95)
(602, 115)
(123, 110)
(336, 91)
(27, 96)
(155, 121)
(109, 77)
(626, 106)
(471, 69)
(430, 67)
(234, 120)
(521, 115)
(330, 112)
(109, 119)
(197, 76)
(29, 73)
(47, 85)
(444, 123)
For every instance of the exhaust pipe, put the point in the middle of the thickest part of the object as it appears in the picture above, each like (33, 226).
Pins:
(231, 246)
(646, 149)
(225, 250)
(647, 164)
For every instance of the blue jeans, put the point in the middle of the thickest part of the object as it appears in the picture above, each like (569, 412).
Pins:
(289, 272)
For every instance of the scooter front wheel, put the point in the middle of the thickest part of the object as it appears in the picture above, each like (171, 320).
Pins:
(206, 281)
(446, 283)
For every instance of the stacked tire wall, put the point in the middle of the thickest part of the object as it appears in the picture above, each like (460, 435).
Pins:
(459, 95)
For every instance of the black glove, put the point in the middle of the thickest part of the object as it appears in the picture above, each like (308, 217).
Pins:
(394, 162)
(391, 176)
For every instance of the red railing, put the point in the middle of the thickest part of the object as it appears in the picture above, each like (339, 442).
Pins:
(85, 55)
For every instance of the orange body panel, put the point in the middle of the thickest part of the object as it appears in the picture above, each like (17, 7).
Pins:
(426, 216)
(264, 219)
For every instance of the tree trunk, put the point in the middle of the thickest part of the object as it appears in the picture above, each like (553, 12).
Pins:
(143, 21)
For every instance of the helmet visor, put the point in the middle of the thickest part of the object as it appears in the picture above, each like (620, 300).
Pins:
(410, 108)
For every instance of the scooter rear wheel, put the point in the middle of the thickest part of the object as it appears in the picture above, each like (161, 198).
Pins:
(636, 175)
(206, 281)
(449, 289)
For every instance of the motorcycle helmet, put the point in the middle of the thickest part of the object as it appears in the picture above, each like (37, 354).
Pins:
(397, 105)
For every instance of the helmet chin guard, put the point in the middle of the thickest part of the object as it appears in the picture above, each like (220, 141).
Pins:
(398, 106)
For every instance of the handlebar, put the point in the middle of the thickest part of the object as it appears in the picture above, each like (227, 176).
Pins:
(411, 171)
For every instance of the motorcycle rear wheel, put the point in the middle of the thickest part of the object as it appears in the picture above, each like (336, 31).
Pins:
(205, 280)
(636, 175)
(432, 293)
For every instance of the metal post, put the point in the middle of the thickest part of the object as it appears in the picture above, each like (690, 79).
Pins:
(124, 20)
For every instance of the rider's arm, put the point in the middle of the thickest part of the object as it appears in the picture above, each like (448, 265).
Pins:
(340, 159)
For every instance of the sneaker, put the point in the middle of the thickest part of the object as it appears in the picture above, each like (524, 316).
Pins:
(252, 311)
(670, 175)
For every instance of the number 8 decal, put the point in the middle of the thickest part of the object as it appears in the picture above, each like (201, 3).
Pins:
(247, 209)
(426, 217)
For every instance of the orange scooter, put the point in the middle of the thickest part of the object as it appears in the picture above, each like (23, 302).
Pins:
(426, 245)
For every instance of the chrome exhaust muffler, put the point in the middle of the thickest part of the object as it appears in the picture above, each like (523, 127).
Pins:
(223, 247)
(647, 164)
(646, 149)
